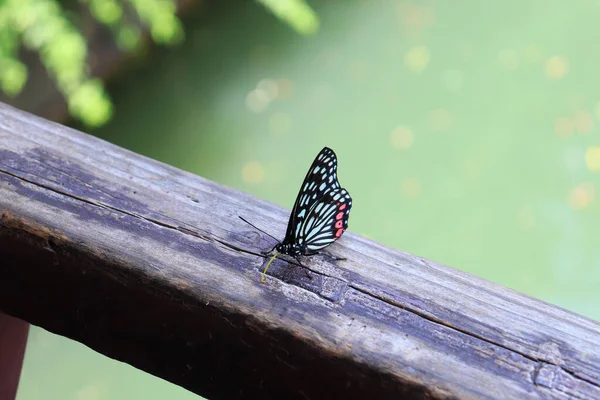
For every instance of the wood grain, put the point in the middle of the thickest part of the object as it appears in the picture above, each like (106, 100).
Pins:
(151, 265)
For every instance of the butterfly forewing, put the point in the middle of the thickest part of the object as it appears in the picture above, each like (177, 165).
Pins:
(320, 179)
(326, 221)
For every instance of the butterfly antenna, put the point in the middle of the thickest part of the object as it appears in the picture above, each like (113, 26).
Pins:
(257, 228)
(264, 274)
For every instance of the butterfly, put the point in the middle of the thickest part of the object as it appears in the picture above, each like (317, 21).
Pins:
(320, 213)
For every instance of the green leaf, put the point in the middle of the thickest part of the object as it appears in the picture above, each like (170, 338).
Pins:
(297, 13)
(13, 75)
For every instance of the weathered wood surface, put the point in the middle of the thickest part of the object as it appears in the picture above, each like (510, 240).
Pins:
(151, 265)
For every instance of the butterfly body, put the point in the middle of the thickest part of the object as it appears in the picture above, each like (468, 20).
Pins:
(291, 249)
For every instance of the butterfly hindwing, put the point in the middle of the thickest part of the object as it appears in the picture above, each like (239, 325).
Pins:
(326, 221)
(320, 179)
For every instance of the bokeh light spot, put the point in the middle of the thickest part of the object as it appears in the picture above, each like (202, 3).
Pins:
(582, 196)
(472, 169)
(417, 59)
(564, 127)
(257, 100)
(592, 158)
(414, 17)
(402, 138)
(270, 87)
(253, 173)
(440, 119)
(508, 59)
(556, 67)
(583, 121)
(411, 188)
(285, 88)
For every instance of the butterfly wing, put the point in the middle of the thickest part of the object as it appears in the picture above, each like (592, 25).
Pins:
(320, 179)
(326, 220)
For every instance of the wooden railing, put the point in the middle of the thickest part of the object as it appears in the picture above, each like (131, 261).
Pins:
(151, 265)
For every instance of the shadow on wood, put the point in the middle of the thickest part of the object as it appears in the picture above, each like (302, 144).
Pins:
(151, 265)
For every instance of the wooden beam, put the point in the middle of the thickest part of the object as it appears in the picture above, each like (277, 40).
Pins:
(151, 265)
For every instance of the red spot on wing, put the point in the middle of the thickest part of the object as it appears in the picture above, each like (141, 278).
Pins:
(339, 215)
(342, 207)
(339, 224)
(339, 232)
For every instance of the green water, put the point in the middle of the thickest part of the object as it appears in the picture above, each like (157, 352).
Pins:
(466, 132)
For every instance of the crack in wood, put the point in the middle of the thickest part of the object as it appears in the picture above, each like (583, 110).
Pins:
(556, 378)
(180, 229)
(318, 292)
(465, 332)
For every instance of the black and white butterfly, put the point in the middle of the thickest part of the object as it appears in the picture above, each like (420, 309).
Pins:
(320, 213)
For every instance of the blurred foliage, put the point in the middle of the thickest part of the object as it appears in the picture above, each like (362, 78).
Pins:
(296, 13)
(48, 28)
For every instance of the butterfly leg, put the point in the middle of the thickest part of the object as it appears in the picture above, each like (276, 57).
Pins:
(271, 251)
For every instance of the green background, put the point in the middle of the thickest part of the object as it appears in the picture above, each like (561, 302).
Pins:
(466, 132)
